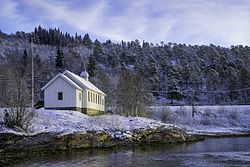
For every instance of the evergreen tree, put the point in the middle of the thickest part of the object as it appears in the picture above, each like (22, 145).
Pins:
(87, 41)
(37, 59)
(37, 62)
(174, 92)
(124, 58)
(98, 53)
(59, 58)
(232, 83)
(169, 66)
(244, 77)
(245, 83)
(25, 58)
(91, 67)
(153, 74)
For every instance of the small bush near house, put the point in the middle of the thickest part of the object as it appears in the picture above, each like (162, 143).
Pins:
(18, 119)
(17, 99)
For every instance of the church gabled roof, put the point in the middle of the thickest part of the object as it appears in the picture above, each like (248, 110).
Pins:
(75, 81)
(81, 82)
(64, 78)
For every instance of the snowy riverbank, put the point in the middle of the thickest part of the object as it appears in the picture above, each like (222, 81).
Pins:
(207, 120)
(70, 122)
(61, 124)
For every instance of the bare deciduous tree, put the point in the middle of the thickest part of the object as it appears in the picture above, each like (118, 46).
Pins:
(133, 98)
(108, 85)
(17, 114)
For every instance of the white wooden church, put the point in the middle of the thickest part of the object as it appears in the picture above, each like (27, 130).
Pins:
(68, 91)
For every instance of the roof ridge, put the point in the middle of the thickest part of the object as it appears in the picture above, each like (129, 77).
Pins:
(83, 82)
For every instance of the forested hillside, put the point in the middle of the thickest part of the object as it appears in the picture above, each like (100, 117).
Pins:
(171, 72)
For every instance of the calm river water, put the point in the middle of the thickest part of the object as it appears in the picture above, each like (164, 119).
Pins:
(211, 152)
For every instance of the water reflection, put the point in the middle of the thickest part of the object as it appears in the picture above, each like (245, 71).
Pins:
(212, 152)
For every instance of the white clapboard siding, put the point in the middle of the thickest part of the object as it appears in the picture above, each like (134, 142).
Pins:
(75, 91)
(93, 104)
(85, 97)
(79, 101)
(51, 94)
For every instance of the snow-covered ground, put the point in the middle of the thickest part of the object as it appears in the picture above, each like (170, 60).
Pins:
(67, 122)
(207, 119)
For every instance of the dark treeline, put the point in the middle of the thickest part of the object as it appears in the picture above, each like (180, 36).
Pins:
(55, 37)
(174, 73)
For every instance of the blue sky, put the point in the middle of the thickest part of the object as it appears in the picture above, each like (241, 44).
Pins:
(221, 22)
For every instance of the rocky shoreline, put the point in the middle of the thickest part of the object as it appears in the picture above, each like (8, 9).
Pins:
(15, 148)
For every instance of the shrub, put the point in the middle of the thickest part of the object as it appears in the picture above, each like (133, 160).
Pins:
(207, 117)
(17, 99)
(181, 112)
(221, 110)
(207, 112)
(206, 121)
(17, 118)
(234, 117)
(165, 115)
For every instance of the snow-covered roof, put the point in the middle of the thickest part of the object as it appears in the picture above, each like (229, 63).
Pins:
(83, 83)
(76, 81)
(64, 78)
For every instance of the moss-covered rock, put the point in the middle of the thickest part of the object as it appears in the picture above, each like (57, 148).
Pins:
(15, 147)
(162, 135)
